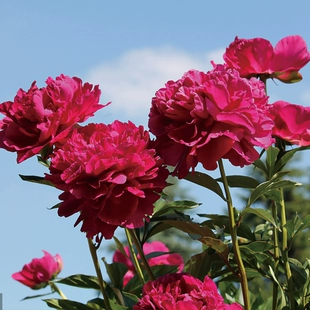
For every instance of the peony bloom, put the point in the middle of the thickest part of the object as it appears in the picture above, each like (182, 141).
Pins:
(39, 271)
(174, 259)
(256, 57)
(292, 122)
(181, 291)
(43, 116)
(108, 175)
(204, 117)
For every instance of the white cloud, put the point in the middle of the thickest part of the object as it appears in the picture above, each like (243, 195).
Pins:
(131, 80)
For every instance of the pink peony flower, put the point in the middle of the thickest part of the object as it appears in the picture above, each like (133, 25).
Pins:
(108, 175)
(255, 57)
(43, 116)
(174, 259)
(204, 117)
(292, 122)
(39, 271)
(181, 291)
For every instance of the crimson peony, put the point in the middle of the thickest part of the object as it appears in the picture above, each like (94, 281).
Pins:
(174, 259)
(43, 116)
(292, 122)
(39, 271)
(204, 117)
(108, 175)
(181, 291)
(256, 57)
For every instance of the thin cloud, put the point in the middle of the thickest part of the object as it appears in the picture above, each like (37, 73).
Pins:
(131, 80)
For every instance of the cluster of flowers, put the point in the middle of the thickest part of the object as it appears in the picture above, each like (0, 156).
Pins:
(112, 174)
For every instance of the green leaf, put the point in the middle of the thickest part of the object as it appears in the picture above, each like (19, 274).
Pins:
(81, 280)
(180, 206)
(37, 296)
(199, 265)
(268, 187)
(240, 181)
(157, 228)
(65, 304)
(206, 181)
(222, 221)
(116, 306)
(271, 158)
(305, 224)
(260, 164)
(298, 273)
(216, 244)
(116, 272)
(258, 246)
(96, 304)
(193, 229)
(262, 213)
(258, 192)
(282, 301)
(130, 299)
(36, 179)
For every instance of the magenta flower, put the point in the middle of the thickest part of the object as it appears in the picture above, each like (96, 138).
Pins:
(292, 122)
(173, 259)
(181, 291)
(108, 175)
(39, 271)
(256, 57)
(204, 117)
(43, 116)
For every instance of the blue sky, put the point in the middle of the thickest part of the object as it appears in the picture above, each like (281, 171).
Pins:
(131, 48)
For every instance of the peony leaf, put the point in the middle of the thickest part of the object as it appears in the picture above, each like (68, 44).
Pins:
(130, 299)
(206, 181)
(305, 224)
(222, 221)
(240, 181)
(258, 246)
(260, 164)
(271, 158)
(216, 244)
(96, 304)
(268, 187)
(298, 273)
(116, 272)
(157, 228)
(287, 156)
(203, 264)
(36, 179)
(37, 296)
(195, 230)
(66, 304)
(180, 206)
(116, 306)
(81, 280)
(262, 213)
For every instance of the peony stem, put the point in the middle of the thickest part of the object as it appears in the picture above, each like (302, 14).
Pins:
(276, 256)
(141, 253)
(93, 252)
(287, 267)
(233, 231)
(134, 256)
(57, 289)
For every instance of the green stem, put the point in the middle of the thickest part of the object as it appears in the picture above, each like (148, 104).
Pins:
(234, 239)
(102, 284)
(134, 256)
(276, 256)
(285, 249)
(141, 253)
(57, 289)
